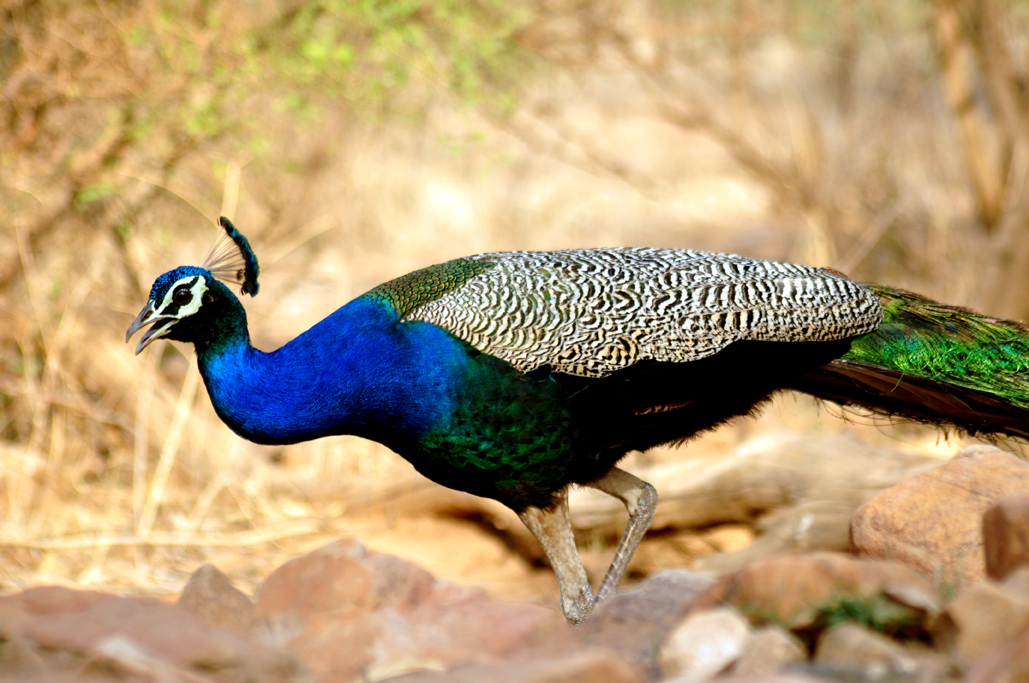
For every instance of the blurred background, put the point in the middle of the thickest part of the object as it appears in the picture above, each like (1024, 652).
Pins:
(353, 142)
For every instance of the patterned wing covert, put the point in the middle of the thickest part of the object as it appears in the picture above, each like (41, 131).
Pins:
(590, 312)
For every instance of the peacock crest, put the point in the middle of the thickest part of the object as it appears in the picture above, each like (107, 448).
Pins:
(231, 259)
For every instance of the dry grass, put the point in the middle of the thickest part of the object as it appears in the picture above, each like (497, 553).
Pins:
(114, 470)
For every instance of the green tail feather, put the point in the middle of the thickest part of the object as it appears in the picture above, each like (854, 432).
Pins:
(933, 363)
(949, 345)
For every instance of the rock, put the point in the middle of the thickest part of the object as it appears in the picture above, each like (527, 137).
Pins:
(351, 614)
(769, 650)
(1007, 663)
(703, 645)
(932, 521)
(850, 646)
(806, 525)
(798, 590)
(984, 616)
(583, 667)
(1006, 536)
(633, 624)
(22, 658)
(51, 632)
(790, 677)
(211, 598)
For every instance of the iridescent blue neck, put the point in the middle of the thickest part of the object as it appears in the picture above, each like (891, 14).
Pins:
(355, 372)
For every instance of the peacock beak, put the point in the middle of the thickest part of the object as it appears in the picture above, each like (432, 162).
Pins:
(161, 325)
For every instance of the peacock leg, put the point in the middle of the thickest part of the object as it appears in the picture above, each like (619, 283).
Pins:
(640, 500)
(553, 529)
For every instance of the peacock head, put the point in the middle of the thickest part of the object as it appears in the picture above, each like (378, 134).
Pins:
(185, 302)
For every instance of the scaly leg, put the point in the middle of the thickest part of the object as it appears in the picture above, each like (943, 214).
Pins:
(553, 529)
(640, 500)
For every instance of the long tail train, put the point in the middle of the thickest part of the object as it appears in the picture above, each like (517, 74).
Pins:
(936, 364)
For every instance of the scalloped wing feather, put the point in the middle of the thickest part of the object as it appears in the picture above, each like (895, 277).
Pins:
(591, 312)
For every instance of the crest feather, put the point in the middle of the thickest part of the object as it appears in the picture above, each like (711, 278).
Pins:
(232, 260)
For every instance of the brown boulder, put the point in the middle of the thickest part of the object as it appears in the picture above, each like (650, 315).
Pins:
(634, 623)
(52, 632)
(853, 647)
(799, 590)
(984, 616)
(1006, 536)
(1007, 663)
(349, 613)
(769, 650)
(933, 521)
(583, 667)
(211, 598)
(790, 677)
(704, 644)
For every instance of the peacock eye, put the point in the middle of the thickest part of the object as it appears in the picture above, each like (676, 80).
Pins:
(182, 296)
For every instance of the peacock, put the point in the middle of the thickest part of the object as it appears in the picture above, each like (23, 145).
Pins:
(516, 375)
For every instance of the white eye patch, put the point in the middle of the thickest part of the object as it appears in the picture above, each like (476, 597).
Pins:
(197, 289)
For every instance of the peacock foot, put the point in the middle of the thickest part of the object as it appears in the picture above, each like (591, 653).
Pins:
(578, 610)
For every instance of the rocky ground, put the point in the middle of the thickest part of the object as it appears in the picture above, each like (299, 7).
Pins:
(934, 586)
